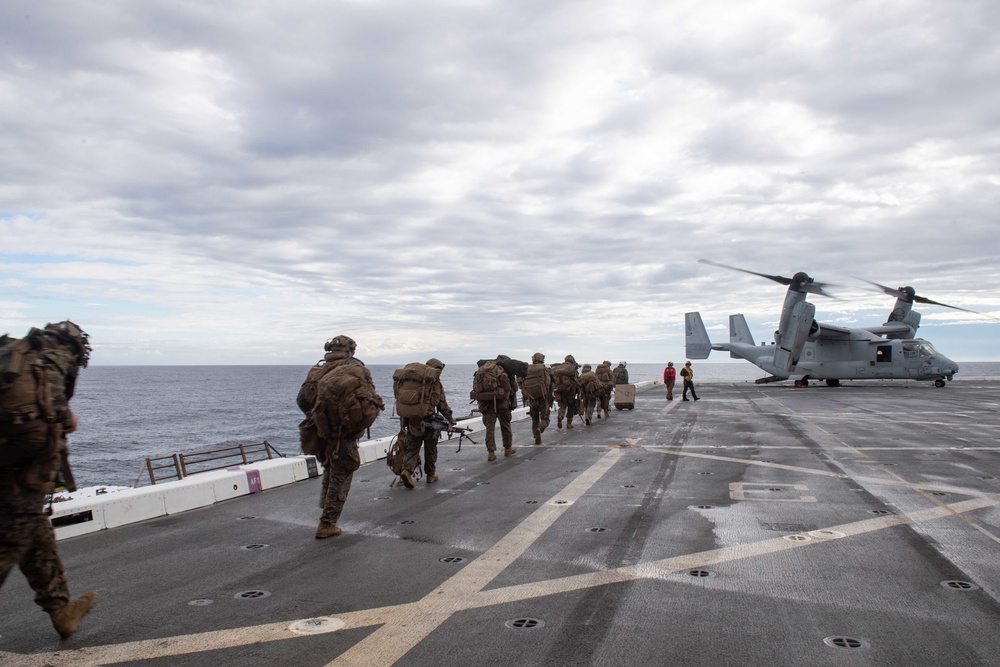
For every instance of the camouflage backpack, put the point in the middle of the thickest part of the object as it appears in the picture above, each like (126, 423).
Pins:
(417, 389)
(590, 383)
(24, 388)
(566, 377)
(346, 401)
(486, 383)
(606, 377)
(536, 384)
(309, 439)
(12, 359)
(396, 454)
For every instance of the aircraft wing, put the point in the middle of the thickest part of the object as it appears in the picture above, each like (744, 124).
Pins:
(832, 332)
(891, 328)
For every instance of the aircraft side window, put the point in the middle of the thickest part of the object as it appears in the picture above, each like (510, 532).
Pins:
(910, 350)
(883, 354)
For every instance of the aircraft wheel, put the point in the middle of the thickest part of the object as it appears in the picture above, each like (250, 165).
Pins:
(939, 382)
(833, 383)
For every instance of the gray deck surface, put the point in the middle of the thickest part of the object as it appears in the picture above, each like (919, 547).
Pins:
(750, 528)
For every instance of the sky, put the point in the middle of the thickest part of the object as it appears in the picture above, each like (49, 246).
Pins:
(236, 182)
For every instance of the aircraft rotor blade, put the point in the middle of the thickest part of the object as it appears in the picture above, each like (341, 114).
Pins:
(923, 299)
(902, 294)
(808, 285)
(817, 288)
(778, 279)
(899, 294)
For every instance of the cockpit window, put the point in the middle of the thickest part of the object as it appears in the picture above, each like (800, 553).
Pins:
(918, 347)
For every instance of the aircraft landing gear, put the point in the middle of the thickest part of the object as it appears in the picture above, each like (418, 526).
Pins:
(833, 383)
(804, 382)
(939, 383)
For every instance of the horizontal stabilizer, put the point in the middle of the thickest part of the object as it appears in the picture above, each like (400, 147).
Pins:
(696, 342)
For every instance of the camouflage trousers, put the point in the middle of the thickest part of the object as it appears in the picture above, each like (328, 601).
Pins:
(428, 439)
(539, 410)
(28, 541)
(588, 406)
(568, 409)
(490, 419)
(604, 403)
(337, 475)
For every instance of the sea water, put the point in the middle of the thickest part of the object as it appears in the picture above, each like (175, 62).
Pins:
(129, 413)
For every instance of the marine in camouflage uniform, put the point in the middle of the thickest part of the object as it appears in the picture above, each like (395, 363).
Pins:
(539, 409)
(34, 420)
(621, 373)
(496, 410)
(607, 384)
(418, 436)
(567, 399)
(340, 457)
(590, 391)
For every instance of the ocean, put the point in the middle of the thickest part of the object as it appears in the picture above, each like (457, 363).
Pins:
(129, 413)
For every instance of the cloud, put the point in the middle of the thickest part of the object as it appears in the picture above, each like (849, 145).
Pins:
(236, 182)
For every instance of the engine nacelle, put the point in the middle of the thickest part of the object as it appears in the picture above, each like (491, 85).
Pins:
(796, 323)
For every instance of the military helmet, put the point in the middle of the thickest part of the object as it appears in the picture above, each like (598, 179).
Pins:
(538, 358)
(622, 364)
(72, 335)
(435, 363)
(570, 359)
(586, 367)
(341, 343)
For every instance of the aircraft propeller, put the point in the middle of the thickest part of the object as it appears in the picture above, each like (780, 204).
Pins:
(909, 295)
(800, 282)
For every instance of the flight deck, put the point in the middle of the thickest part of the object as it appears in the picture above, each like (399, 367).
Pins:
(762, 525)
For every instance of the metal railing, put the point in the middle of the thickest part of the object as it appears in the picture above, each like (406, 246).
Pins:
(185, 465)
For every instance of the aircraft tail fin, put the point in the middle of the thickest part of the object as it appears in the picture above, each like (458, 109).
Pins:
(739, 332)
(697, 344)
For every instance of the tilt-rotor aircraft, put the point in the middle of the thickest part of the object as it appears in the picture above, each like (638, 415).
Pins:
(805, 349)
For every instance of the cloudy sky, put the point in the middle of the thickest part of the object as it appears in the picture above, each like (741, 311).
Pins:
(235, 182)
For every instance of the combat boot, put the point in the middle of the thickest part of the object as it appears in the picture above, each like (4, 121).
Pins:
(431, 478)
(509, 451)
(492, 456)
(559, 423)
(538, 438)
(586, 420)
(66, 619)
(605, 415)
(327, 529)
(407, 478)
(569, 422)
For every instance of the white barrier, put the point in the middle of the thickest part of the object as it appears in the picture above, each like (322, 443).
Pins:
(91, 510)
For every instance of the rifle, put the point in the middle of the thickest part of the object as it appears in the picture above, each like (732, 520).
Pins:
(64, 477)
(438, 423)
